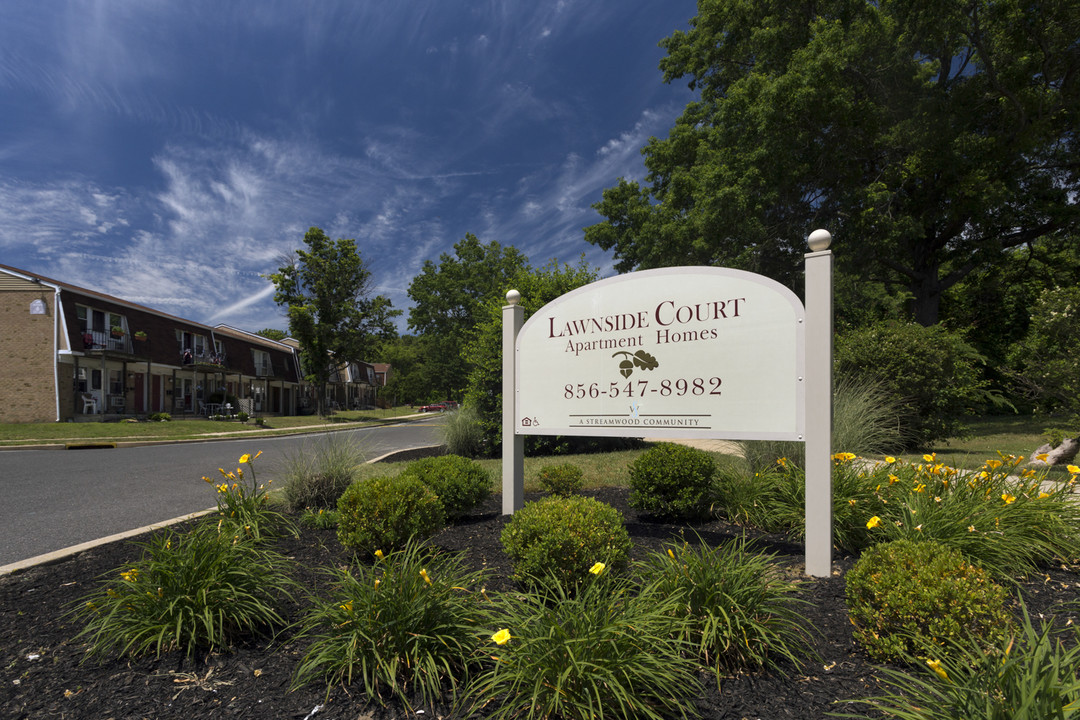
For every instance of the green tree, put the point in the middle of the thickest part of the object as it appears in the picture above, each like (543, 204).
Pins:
(326, 291)
(537, 287)
(408, 383)
(448, 298)
(931, 136)
(1047, 361)
(273, 333)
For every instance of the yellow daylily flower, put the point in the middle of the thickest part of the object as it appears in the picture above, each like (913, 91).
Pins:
(423, 574)
(244, 458)
(1073, 469)
(379, 554)
(971, 528)
(929, 458)
(873, 522)
(936, 667)
(1009, 499)
(502, 637)
(890, 459)
(597, 568)
(1043, 495)
(347, 607)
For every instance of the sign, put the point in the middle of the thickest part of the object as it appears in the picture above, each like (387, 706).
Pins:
(671, 353)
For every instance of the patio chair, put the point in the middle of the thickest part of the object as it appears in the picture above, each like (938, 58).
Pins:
(89, 400)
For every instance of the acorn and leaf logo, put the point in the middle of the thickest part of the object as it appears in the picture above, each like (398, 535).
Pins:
(640, 359)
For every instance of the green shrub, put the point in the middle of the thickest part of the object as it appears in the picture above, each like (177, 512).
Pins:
(383, 513)
(200, 590)
(672, 480)
(931, 374)
(594, 650)
(242, 416)
(317, 475)
(460, 483)
(1031, 677)
(908, 599)
(410, 625)
(159, 417)
(736, 609)
(565, 479)
(565, 537)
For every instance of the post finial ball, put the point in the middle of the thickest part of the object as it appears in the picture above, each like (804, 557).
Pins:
(513, 297)
(819, 240)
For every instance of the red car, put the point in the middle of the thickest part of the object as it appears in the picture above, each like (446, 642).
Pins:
(434, 407)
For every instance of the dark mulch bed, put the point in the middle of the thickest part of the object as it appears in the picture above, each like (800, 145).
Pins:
(42, 673)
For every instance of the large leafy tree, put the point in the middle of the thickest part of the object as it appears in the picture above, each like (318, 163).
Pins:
(326, 290)
(448, 299)
(537, 287)
(931, 137)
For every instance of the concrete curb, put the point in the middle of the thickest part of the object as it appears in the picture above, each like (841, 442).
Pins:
(64, 553)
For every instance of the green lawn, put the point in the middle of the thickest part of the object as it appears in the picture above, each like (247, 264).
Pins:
(1016, 435)
(184, 428)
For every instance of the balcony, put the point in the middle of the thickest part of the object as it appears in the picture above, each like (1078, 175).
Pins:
(106, 340)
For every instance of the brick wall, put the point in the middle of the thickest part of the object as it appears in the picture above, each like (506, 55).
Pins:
(27, 383)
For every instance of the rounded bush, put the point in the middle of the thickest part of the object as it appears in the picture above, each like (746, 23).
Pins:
(565, 537)
(383, 513)
(460, 483)
(565, 479)
(672, 480)
(931, 374)
(905, 597)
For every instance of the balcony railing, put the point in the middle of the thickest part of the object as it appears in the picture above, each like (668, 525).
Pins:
(105, 340)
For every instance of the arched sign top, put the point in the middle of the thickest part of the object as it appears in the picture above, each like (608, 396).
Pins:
(674, 352)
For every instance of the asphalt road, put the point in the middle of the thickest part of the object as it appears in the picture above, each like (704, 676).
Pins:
(53, 499)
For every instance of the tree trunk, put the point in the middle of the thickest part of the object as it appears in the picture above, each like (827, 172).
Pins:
(926, 300)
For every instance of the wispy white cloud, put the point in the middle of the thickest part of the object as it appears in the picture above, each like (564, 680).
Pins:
(404, 163)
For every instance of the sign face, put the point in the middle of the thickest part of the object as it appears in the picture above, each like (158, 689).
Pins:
(671, 353)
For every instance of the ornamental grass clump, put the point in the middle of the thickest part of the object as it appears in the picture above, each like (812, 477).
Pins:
(907, 599)
(385, 512)
(1032, 675)
(737, 610)
(201, 590)
(563, 537)
(317, 475)
(409, 627)
(243, 504)
(460, 483)
(600, 648)
(672, 481)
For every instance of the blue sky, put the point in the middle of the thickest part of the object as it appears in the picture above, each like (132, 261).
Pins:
(170, 153)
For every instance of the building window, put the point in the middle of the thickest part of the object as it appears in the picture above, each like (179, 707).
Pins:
(263, 366)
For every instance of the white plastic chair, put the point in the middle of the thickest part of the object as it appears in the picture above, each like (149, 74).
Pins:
(89, 401)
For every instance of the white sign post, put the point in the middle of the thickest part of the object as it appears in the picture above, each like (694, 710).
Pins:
(688, 352)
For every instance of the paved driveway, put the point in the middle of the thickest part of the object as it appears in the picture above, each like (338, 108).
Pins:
(55, 499)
